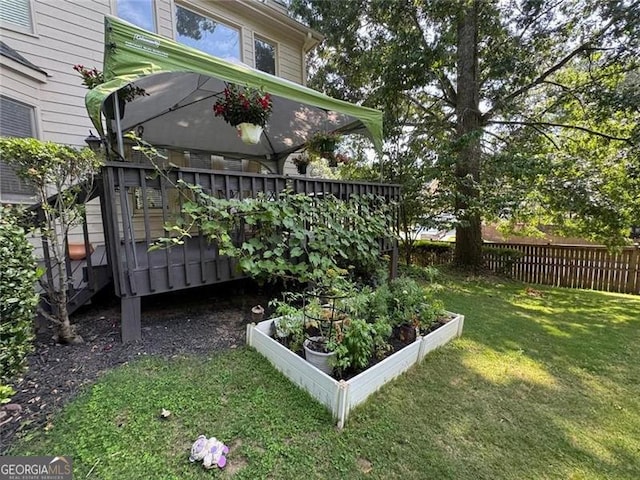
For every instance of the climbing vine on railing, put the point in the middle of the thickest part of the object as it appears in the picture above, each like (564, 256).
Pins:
(292, 237)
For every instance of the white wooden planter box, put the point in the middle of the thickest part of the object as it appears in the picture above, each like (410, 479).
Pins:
(340, 397)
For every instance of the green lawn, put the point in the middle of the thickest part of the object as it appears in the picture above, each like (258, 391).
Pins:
(538, 387)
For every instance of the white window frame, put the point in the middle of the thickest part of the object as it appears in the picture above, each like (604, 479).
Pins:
(210, 15)
(33, 32)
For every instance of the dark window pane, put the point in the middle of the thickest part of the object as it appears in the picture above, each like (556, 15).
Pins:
(265, 56)
(16, 120)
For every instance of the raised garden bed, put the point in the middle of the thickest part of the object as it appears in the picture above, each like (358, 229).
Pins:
(340, 397)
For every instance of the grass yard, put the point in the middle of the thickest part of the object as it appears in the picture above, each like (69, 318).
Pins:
(543, 384)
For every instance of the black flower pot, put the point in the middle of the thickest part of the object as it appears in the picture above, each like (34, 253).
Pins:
(302, 168)
(407, 333)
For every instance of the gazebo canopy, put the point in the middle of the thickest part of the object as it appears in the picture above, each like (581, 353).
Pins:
(183, 83)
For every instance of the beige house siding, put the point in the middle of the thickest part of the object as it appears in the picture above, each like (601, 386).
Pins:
(70, 32)
(19, 87)
(67, 33)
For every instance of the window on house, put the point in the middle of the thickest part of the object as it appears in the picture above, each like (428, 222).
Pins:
(265, 56)
(206, 34)
(16, 120)
(16, 14)
(139, 12)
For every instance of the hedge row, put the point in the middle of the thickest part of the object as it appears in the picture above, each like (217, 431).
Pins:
(425, 253)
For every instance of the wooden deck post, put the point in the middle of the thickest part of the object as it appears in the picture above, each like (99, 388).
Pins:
(393, 265)
(130, 329)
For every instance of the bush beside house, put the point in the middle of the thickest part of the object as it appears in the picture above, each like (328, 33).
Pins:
(18, 298)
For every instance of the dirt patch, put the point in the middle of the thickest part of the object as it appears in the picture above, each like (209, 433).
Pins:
(199, 322)
(365, 465)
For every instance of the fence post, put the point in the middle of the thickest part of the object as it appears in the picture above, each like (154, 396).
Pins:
(633, 275)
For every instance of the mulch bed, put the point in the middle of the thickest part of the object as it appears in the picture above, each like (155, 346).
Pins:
(199, 321)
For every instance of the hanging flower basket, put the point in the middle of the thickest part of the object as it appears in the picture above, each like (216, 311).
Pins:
(249, 133)
(323, 144)
(92, 77)
(301, 162)
(240, 107)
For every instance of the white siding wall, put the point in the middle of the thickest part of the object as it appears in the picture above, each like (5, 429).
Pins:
(70, 32)
(20, 87)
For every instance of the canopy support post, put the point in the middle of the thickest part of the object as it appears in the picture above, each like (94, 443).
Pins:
(116, 108)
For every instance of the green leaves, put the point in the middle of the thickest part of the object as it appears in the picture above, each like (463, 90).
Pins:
(18, 298)
(295, 237)
(50, 167)
(551, 76)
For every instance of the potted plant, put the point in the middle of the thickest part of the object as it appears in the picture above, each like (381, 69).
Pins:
(289, 322)
(301, 162)
(247, 109)
(92, 77)
(324, 323)
(323, 145)
(409, 308)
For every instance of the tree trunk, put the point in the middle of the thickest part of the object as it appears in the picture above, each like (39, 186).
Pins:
(57, 228)
(468, 251)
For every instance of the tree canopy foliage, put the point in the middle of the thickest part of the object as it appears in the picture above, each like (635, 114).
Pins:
(528, 110)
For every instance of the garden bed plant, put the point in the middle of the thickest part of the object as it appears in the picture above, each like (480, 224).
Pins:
(363, 332)
(357, 326)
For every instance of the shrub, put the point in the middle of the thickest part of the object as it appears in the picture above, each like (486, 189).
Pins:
(18, 298)
(48, 167)
(425, 252)
(428, 273)
(298, 238)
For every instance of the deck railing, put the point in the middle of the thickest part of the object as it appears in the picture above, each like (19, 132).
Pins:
(85, 277)
(138, 201)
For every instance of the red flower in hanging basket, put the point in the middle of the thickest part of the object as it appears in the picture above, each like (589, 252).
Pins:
(243, 105)
(92, 77)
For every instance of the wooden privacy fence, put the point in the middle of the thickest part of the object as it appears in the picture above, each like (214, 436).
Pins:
(574, 266)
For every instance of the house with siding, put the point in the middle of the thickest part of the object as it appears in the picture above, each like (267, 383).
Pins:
(43, 97)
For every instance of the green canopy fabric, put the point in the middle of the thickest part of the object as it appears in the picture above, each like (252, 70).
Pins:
(183, 83)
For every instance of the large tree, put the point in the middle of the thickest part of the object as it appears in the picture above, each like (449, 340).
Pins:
(506, 93)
